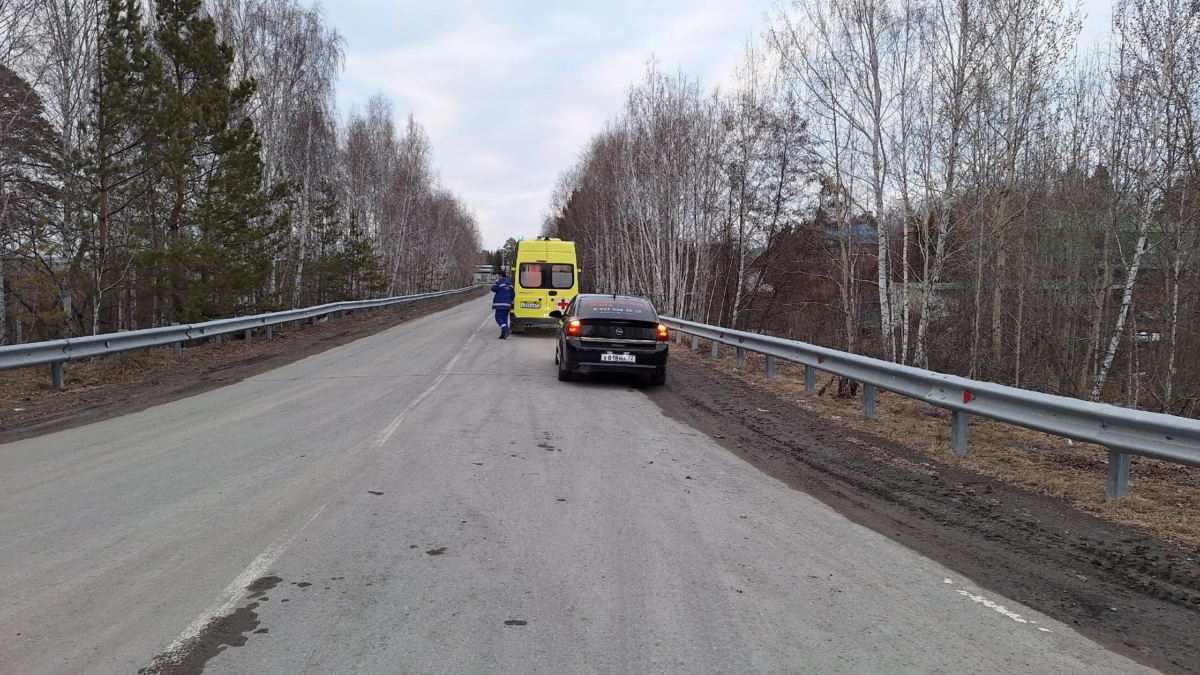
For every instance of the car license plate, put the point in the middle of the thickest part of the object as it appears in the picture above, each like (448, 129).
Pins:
(619, 358)
(531, 305)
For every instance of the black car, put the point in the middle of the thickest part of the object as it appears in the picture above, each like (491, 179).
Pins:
(611, 334)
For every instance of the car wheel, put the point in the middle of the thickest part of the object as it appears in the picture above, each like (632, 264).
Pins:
(658, 379)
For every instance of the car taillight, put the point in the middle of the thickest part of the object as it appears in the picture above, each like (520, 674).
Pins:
(663, 333)
(573, 328)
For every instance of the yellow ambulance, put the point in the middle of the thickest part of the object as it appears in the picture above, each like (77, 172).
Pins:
(545, 278)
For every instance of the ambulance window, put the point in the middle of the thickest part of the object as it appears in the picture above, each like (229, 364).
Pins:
(547, 275)
(562, 276)
(531, 275)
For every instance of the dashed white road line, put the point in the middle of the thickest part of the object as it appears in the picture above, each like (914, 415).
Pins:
(994, 606)
(236, 590)
(997, 607)
(391, 428)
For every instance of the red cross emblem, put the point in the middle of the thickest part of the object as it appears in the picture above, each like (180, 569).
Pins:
(562, 304)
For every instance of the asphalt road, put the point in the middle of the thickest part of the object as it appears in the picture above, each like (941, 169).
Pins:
(432, 500)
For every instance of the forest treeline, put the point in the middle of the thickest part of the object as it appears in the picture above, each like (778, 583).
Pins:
(180, 160)
(952, 184)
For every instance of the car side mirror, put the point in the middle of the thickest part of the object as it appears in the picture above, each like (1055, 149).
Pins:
(555, 314)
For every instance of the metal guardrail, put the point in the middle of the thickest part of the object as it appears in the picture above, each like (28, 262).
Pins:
(58, 352)
(1123, 431)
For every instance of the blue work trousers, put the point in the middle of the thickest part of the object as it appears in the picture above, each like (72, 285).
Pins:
(502, 318)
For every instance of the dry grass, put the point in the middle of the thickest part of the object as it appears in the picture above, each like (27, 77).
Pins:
(1163, 498)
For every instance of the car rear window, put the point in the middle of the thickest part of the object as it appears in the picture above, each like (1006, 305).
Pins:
(547, 275)
(634, 309)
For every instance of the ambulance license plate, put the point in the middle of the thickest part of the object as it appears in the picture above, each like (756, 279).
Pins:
(619, 358)
(531, 305)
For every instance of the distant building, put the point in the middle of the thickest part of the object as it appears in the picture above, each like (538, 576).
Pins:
(484, 274)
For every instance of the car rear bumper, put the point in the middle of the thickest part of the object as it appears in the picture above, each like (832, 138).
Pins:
(586, 358)
(625, 368)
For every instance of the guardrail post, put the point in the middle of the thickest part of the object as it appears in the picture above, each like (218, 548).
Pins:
(246, 336)
(176, 347)
(678, 337)
(314, 320)
(695, 342)
(741, 357)
(270, 333)
(343, 313)
(716, 349)
(868, 400)
(958, 431)
(56, 375)
(217, 338)
(296, 325)
(810, 379)
(770, 366)
(1118, 475)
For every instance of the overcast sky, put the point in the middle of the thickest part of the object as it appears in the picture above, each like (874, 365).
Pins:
(511, 90)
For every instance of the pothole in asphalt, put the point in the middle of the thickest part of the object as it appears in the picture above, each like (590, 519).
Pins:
(515, 622)
(436, 551)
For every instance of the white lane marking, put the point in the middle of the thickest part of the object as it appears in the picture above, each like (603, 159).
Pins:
(232, 595)
(391, 428)
(947, 581)
(999, 608)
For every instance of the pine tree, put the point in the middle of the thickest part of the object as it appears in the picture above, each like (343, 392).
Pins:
(127, 96)
(27, 152)
(220, 237)
(365, 275)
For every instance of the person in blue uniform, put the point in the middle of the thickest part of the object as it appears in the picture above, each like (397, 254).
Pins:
(503, 302)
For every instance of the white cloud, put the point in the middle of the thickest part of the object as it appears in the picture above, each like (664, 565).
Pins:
(511, 91)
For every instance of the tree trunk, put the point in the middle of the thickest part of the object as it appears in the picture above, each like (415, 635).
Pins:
(1021, 288)
(973, 372)
(3, 298)
(1090, 367)
(998, 300)
(1173, 328)
(1126, 304)
(906, 316)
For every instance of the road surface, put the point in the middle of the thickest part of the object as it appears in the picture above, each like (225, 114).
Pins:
(430, 499)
